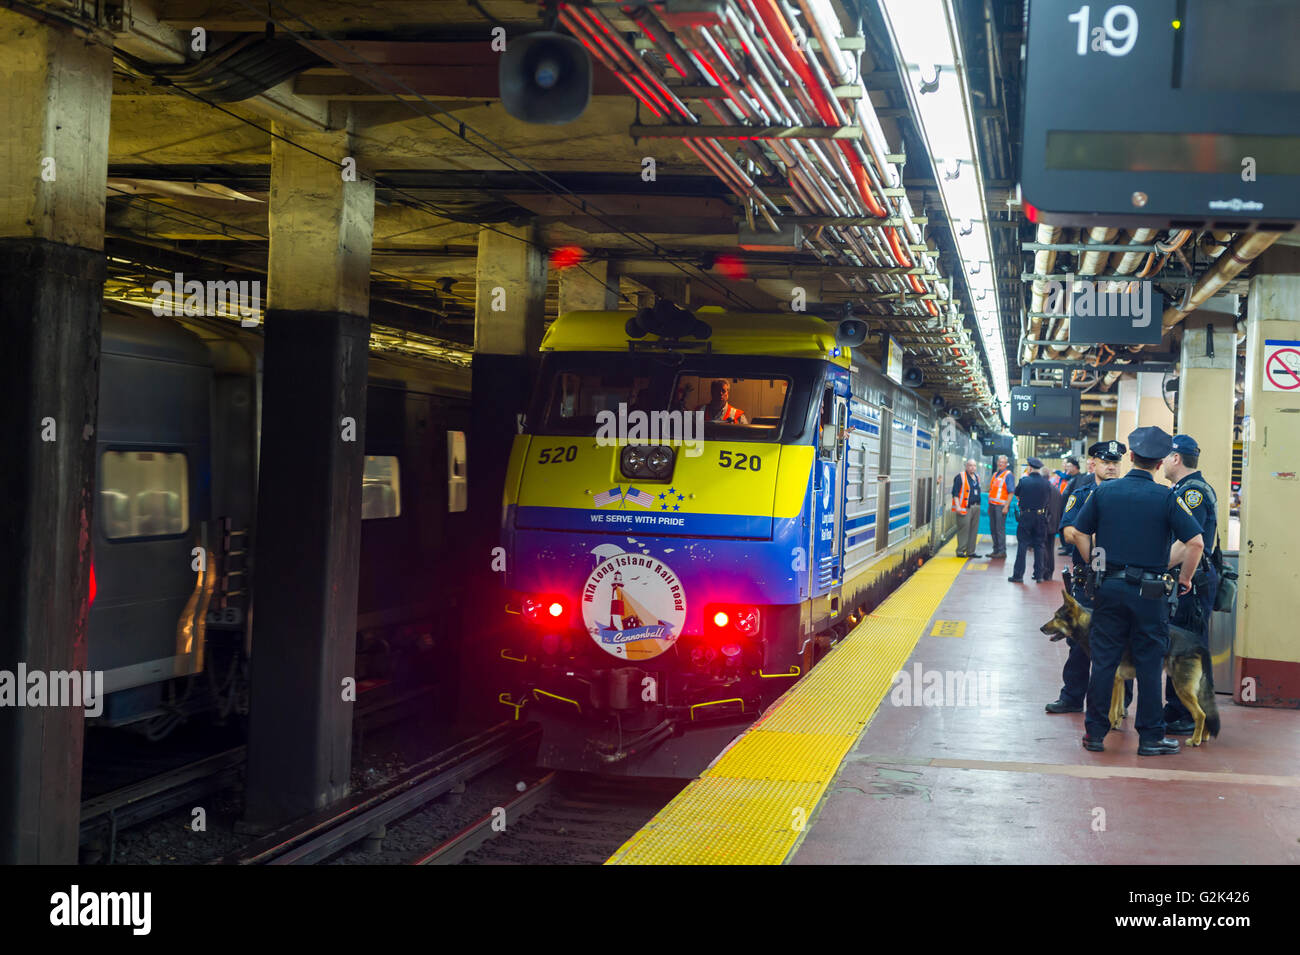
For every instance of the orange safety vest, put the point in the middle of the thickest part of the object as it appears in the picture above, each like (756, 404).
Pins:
(729, 412)
(960, 504)
(998, 493)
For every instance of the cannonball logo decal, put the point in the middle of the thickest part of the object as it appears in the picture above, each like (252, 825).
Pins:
(633, 606)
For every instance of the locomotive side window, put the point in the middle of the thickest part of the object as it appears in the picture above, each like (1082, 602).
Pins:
(381, 488)
(144, 494)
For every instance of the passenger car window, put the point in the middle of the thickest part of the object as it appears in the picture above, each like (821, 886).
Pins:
(144, 494)
(381, 488)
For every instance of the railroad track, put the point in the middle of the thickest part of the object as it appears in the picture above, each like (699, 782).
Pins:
(106, 814)
(562, 818)
(368, 813)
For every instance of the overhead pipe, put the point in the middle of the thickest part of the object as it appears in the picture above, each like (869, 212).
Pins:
(1246, 249)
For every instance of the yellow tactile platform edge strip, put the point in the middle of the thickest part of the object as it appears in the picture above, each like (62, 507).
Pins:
(751, 806)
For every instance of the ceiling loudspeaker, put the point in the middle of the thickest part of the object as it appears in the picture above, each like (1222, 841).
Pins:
(912, 377)
(545, 78)
(850, 332)
(667, 321)
(937, 402)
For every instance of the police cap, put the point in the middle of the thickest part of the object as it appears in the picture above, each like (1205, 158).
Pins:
(1107, 450)
(1151, 442)
(1186, 444)
(1034, 463)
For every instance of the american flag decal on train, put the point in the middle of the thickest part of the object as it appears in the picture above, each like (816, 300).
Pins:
(607, 497)
(639, 497)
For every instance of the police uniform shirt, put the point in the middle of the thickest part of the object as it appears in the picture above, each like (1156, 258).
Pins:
(1200, 504)
(1034, 492)
(1073, 505)
(1133, 517)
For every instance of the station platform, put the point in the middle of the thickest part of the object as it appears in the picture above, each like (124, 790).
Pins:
(852, 766)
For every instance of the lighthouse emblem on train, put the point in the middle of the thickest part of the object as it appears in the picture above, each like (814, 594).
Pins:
(633, 606)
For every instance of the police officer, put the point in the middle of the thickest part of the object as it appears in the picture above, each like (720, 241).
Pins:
(1194, 609)
(1103, 465)
(1032, 496)
(1135, 519)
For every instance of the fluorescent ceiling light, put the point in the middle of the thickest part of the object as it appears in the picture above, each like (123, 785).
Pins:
(924, 33)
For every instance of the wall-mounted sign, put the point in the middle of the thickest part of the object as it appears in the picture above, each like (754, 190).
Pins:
(893, 360)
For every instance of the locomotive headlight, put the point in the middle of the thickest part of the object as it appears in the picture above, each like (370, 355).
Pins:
(659, 461)
(632, 461)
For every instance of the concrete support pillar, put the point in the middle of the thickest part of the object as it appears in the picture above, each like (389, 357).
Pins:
(1267, 648)
(1153, 409)
(1106, 428)
(591, 288)
(509, 313)
(1207, 396)
(1126, 414)
(54, 153)
(309, 492)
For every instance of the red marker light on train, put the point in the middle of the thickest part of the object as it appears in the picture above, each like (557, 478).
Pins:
(721, 619)
(542, 608)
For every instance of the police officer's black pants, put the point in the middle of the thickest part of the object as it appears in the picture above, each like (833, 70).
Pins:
(1193, 613)
(1122, 617)
(1029, 536)
(1074, 675)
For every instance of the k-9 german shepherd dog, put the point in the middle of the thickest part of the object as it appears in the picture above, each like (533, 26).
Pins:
(1187, 663)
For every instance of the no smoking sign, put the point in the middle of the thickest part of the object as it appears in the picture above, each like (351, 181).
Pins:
(1281, 365)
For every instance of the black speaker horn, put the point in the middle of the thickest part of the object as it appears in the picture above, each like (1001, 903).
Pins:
(545, 78)
(912, 377)
(850, 332)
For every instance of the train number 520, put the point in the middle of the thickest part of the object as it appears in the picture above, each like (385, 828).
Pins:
(739, 462)
(556, 455)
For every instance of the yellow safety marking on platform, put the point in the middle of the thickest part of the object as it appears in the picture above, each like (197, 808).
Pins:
(949, 628)
(752, 805)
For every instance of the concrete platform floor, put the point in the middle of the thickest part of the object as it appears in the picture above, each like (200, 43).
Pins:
(1005, 782)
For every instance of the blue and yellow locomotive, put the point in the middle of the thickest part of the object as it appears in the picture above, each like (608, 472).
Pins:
(691, 517)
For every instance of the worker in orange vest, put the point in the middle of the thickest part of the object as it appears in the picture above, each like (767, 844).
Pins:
(1001, 488)
(719, 408)
(966, 503)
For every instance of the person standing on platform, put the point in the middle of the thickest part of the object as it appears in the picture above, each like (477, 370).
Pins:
(1103, 465)
(1194, 609)
(1055, 505)
(1073, 475)
(1032, 496)
(966, 502)
(1001, 486)
(1134, 520)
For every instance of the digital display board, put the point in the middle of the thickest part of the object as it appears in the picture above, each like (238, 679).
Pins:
(999, 444)
(1045, 411)
(1163, 113)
